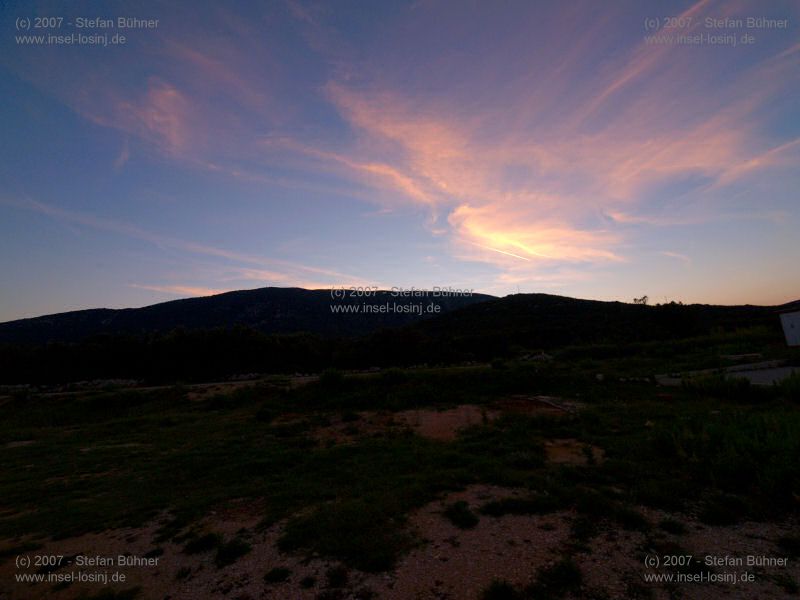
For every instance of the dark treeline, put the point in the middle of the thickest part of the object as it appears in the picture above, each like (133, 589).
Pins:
(207, 355)
(494, 329)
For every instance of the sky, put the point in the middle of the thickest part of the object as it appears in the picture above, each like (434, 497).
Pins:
(602, 150)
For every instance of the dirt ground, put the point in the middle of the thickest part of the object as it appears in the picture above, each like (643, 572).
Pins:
(449, 563)
(440, 424)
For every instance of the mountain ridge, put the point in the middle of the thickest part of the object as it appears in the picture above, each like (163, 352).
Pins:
(268, 310)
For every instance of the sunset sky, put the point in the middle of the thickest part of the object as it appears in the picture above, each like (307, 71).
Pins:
(531, 146)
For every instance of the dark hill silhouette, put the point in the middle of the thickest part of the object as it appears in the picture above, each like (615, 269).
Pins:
(267, 310)
(548, 321)
(287, 330)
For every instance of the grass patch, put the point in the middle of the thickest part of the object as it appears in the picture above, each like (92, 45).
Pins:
(102, 459)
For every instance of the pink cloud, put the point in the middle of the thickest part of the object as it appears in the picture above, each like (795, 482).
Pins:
(521, 190)
(520, 235)
(161, 116)
(676, 255)
(180, 290)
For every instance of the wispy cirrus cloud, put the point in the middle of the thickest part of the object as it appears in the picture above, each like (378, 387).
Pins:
(676, 255)
(162, 116)
(529, 191)
(540, 148)
(123, 156)
(278, 271)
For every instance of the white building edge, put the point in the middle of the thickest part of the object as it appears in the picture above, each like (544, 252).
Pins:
(791, 327)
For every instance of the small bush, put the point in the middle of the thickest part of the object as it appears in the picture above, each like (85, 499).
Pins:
(583, 529)
(786, 582)
(500, 590)
(229, 553)
(19, 549)
(331, 379)
(790, 387)
(392, 377)
(720, 386)
(277, 575)
(738, 452)
(349, 416)
(790, 545)
(358, 532)
(460, 515)
(672, 526)
(532, 505)
(630, 519)
(308, 582)
(266, 414)
(723, 509)
(337, 576)
(556, 580)
(203, 543)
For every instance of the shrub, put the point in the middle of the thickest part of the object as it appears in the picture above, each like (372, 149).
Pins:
(337, 576)
(331, 379)
(720, 386)
(790, 545)
(203, 543)
(723, 509)
(355, 531)
(277, 575)
(790, 387)
(672, 526)
(500, 590)
(460, 515)
(392, 377)
(229, 553)
(531, 505)
(556, 580)
(753, 454)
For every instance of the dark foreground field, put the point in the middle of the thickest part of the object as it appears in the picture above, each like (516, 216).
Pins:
(539, 478)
